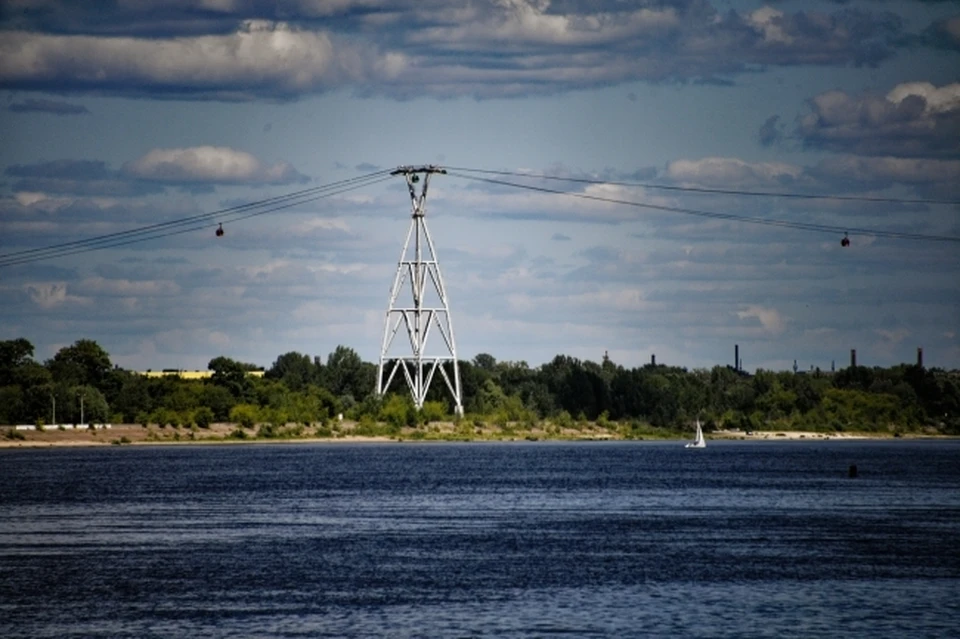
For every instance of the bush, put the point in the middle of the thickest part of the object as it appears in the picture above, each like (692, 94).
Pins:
(203, 417)
(433, 412)
(244, 414)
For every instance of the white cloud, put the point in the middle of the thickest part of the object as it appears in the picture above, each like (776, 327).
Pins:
(261, 59)
(405, 50)
(770, 318)
(769, 22)
(732, 172)
(218, 165)
(50, 295)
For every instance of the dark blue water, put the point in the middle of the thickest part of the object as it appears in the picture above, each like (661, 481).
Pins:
(743, 539)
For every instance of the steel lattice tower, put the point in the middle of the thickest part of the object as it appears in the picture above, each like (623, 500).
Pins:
(428, 309)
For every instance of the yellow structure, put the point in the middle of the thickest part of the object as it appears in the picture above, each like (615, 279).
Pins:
(182, 374)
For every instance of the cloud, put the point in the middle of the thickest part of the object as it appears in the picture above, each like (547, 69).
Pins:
(261, 50)
(261, 59)
(944, 34)
(915, 119)
(932, 177)
(76, 177)
(560, 237)
(209, 164)
(367, 167)
(49, 295)
(771, 132)
(770, 318)
(732, 172)
(35, 105)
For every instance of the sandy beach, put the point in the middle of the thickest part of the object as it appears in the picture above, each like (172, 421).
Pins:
(135, 434)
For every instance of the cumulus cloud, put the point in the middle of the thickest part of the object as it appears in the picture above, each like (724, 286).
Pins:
(209, 164)
(261, 59)
(408, 49)
(915, 119)
(54, 107)
(49, 295)
(732, 172)
(770, 318)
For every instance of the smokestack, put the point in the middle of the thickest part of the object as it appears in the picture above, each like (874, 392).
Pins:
(736, 356)
(853, 358)
(653, 359)
(920, 356)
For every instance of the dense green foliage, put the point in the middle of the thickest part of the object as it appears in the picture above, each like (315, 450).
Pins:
(298, 391)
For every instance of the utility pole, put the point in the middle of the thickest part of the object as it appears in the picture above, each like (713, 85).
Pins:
(54, 400)
(428, 308)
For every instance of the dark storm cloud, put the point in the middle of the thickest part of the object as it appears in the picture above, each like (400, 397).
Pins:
(913, 120)
(34, 105)
(944, 34)
(280, 51)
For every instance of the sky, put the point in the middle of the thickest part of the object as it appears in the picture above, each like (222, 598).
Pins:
(117, 115)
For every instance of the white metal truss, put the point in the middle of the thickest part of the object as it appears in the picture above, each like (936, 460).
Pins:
(428, 311)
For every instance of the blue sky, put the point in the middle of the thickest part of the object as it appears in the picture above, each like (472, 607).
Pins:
(117, 114)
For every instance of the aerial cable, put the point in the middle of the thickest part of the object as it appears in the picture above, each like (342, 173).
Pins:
(714, 191)
(804, 226)
(192, 223)
(304, 193)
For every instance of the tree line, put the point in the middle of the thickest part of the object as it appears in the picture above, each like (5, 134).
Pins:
(299, 389)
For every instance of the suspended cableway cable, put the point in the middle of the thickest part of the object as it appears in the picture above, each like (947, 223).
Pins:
(713, 191)
(803, 226)
(194, 222)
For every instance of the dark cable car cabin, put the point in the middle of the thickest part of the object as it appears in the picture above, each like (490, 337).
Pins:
(220, 231)
(845, 242)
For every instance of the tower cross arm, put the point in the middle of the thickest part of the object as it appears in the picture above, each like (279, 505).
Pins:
(424, 168)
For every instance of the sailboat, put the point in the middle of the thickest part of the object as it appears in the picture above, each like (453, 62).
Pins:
(699, 441)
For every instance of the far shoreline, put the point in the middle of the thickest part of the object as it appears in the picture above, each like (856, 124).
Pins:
(220, 434)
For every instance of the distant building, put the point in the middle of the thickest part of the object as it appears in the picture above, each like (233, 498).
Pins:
(183, 374)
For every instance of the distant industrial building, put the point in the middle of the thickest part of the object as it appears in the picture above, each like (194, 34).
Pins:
(184, 374)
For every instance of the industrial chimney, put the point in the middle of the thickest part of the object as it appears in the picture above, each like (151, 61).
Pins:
(853, 358)
(919, 357)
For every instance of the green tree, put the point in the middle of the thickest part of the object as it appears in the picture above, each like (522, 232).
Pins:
(232, 375)
(93, 409)
(84, 363)
(294, 370)
(348, 375)
(14, 354)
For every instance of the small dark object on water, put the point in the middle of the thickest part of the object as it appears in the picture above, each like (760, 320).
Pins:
(852, 472)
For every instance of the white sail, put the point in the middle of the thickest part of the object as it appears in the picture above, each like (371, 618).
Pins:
(699, 441)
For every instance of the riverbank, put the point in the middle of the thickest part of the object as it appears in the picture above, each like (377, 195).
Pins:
(349, 432)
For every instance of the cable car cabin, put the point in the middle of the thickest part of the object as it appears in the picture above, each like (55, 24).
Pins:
(220, 231)
(845, 242)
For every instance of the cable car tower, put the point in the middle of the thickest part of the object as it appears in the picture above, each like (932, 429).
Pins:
(426, 313)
